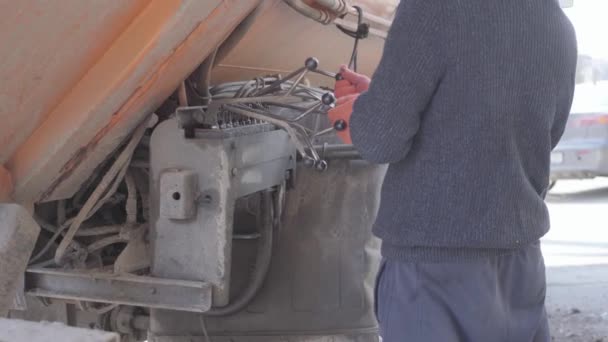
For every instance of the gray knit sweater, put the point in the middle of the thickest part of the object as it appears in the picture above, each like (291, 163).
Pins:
(466, 105)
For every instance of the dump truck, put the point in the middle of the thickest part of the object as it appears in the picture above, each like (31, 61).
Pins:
(168, 171)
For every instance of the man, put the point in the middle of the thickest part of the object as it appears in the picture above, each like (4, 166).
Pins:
(466, 105)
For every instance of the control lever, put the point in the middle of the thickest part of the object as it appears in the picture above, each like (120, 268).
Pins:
(288, 92)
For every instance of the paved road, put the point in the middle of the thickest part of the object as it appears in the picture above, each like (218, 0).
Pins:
(576, 254)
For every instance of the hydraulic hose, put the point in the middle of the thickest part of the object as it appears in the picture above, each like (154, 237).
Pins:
(204, 78)
(262, 262)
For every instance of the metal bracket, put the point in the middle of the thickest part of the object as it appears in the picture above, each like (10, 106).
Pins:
(179, 191)
(91, 286)
(256, 102)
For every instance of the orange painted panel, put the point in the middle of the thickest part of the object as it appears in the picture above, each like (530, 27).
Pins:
(117, 91)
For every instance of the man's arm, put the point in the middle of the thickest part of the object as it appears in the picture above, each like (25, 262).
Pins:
(564, 104)
(565, 94)
(386, 118)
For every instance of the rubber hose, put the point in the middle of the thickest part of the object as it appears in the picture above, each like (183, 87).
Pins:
(262, 263)
(204, 77)
(340, 7)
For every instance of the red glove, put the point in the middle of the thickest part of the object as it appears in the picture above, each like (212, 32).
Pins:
(351, 83)
(340, 117)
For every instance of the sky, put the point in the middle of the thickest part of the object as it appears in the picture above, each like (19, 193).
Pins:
(589, 18)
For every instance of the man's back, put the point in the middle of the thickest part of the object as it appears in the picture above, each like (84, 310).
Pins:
(468, 101)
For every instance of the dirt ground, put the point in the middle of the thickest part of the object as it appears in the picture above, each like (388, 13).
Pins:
(577, 303)
(578, 326)
(576, 254)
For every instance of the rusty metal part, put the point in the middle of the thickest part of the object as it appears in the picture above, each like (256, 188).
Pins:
(106, 187)
(154, 46)
(140, 53)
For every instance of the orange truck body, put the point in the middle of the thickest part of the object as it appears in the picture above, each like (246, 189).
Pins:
(79, 76)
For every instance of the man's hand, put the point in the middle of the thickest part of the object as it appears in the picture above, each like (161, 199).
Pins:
(340, 117)
(351, 83)
(347, 90)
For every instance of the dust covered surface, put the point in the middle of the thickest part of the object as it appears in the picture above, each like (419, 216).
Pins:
(578, 325)
(14, 330)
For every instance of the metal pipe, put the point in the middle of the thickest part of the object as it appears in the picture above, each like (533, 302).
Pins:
(370, 17)
(182, 95)
(334, 147)
(340, 7)
(306, 112)
(347, 155)
(321, 16)
(204, 77)
(296, 83)
(338, 151)
(325, 73)
(277, 84)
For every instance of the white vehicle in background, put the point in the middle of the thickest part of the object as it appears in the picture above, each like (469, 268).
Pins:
(583, 150)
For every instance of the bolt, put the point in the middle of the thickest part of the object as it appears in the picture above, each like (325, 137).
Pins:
(207, 199)
(321, 165)
(234, 171)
